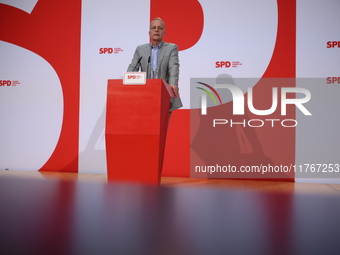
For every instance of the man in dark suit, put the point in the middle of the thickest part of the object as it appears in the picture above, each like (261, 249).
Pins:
(159, 59)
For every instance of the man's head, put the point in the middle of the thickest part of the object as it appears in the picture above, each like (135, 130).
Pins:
(157, 30)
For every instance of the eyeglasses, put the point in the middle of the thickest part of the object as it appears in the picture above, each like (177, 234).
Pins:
(156, 28)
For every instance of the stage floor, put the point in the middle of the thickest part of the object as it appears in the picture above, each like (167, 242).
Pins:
(60, 213)
(244, 185)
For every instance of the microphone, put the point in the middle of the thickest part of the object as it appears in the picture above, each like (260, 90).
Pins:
(137, 63)
(147, 69)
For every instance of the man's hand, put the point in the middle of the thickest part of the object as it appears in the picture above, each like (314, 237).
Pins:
(175, 89)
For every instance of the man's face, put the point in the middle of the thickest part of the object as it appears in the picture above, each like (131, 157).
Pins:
(156, 31)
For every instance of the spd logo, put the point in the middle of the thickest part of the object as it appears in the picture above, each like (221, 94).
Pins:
(8, 83)
(220, 64)
(227, 64)
(134, 77)
(5, 83)
(333, 80)
(333, 44)
(110, 50)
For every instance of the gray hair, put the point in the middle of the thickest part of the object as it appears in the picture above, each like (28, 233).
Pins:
(158, 18)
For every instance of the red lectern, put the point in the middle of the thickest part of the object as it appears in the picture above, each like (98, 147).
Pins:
(136, 126)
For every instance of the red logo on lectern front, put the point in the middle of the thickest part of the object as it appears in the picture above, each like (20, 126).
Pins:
(134, 77)
(333, 80)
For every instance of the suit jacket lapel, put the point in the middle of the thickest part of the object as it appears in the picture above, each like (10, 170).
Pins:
(146, 54)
